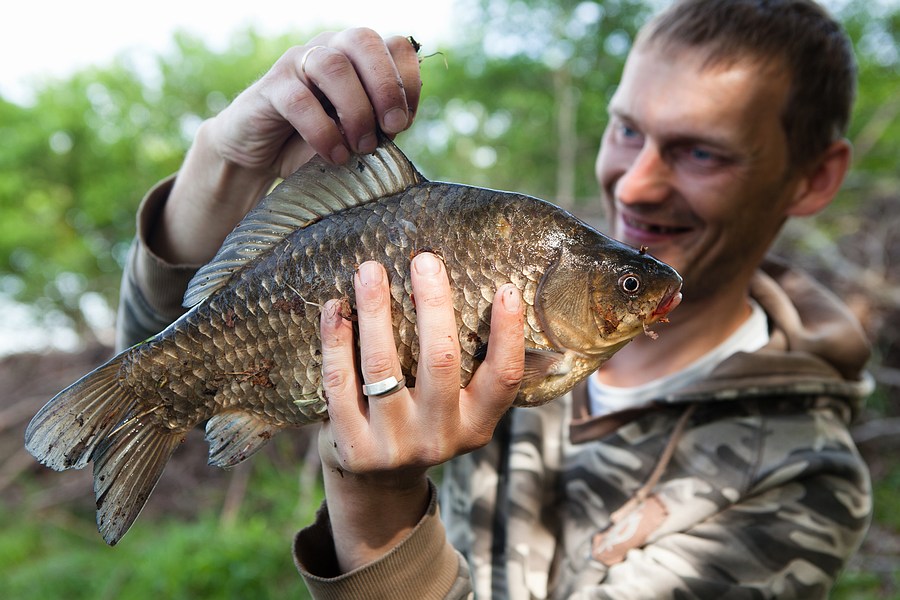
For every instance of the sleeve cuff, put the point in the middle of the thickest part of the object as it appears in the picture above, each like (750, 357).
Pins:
(162, 284)
(423, 565)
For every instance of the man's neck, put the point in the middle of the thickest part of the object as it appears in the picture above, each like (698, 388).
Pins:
(694, 328)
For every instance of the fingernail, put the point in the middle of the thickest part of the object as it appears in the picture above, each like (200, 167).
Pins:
(395, 120)
(510, 299)
(369, 273)
(339, 154)
(426, 263)
(368, 143)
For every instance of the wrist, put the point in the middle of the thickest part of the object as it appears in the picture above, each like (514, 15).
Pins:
(209, 197)
(370, 514)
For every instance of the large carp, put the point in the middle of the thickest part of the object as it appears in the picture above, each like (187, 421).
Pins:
(246, 357)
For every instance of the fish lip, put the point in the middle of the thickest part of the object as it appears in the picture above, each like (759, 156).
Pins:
(669, 302)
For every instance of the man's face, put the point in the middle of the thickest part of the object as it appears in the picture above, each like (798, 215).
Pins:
(694, 165)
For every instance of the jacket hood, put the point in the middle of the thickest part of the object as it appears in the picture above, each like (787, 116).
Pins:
(816, 346)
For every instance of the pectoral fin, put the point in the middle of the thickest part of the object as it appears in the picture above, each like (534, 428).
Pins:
(540, 364)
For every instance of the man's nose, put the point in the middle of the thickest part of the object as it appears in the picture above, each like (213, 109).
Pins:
(647, 179)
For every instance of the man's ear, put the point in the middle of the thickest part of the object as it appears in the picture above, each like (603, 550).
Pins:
(821, 183)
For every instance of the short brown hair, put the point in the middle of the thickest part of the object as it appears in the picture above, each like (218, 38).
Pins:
(798, 35)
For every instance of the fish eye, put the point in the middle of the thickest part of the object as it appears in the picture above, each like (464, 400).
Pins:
(630, 283)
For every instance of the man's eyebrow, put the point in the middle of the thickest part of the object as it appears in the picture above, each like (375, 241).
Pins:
(619, 113)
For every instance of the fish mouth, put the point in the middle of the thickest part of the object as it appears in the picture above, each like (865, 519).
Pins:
(667, 304)
(670, 300)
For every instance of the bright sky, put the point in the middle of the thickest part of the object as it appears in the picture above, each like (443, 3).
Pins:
(53, 38)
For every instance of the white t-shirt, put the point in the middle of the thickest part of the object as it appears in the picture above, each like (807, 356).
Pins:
(751, 336)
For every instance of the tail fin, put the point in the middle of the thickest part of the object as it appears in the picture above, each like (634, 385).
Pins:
(95, 419)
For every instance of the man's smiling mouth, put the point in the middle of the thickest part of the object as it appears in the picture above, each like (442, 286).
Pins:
(653, 228)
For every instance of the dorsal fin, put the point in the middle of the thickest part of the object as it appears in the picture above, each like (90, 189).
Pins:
(315, 190)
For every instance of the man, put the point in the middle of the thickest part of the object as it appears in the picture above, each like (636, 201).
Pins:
(713, 462)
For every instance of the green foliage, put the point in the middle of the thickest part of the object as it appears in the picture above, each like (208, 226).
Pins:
(875, 128)
(520, 101)
(860, 585)
(75, 163)
(60, 555)
(887, 502)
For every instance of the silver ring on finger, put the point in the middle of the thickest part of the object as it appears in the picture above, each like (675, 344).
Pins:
(383, 387)
(305, 57)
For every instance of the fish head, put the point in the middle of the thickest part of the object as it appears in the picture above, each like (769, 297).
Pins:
(597, 296)
(629, 293)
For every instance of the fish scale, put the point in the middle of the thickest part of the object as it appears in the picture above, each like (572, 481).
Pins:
(246, 357)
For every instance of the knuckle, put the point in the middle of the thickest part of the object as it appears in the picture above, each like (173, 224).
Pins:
(378, 364)
(390, 88)
(442, 356)
(372, 303)
(334, 380)
(300, 101)
(367, 40)
(477, 439)
(333, 66)
(478, 433)
(361, 36)
(434, 299)
(361, 460)
(400, 45)
(424, 451)
(353, 462)
(509, 378)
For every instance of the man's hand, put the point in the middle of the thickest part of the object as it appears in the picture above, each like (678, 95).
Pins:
(375, 451)
(328, 97)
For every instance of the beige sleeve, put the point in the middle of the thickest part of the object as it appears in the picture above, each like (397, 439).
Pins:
(152, 289)
(424, 565)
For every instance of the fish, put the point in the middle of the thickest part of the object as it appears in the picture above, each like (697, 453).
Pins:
(245, 358)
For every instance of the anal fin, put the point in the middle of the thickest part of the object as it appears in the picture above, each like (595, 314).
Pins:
(235, 436)
(127, 467)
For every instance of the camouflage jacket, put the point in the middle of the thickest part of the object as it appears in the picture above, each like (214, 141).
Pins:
(744, 485)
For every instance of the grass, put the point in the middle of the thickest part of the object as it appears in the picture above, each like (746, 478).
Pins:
(887, 499)
(862, 585)
(58, 554)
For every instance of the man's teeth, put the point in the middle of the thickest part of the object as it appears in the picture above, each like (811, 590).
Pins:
(648, 227)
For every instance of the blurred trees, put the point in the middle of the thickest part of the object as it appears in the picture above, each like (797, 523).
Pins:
(75, 163)
(518, 102)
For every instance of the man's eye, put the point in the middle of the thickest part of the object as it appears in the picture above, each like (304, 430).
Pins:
(629, 132)
(629, 135)
(701, 155)
(702, 158)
